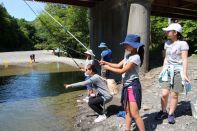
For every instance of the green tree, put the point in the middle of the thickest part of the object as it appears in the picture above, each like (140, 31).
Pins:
(52, 36)
(189, 33)
(13, 33)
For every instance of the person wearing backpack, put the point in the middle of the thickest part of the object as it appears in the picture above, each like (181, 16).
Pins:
(97, 102)
(129, 68)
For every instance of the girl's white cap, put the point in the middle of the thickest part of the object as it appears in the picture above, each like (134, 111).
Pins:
(174, 26)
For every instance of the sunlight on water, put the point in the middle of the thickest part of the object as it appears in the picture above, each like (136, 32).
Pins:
(36, 67)
(37, 100)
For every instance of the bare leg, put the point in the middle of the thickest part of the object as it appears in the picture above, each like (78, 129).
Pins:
(128, 119)
(135, 114)
(164, 99)
(173, 102)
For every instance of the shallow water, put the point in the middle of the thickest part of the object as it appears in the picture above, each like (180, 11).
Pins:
(32, 98)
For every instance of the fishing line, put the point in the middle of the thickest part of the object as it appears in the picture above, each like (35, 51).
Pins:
(44, 23)
(61, 25)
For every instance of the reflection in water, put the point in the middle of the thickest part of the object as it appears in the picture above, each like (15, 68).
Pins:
(35, 67)
(35, 85)
(38, 100)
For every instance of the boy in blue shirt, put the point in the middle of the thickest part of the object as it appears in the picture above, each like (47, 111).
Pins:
(106, 55)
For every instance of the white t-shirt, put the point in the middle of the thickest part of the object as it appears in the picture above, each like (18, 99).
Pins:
(133, 73)
(174, 50)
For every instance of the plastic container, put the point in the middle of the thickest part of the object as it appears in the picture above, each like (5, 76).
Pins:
(194, 108)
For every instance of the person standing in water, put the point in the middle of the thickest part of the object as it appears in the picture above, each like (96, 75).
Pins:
(129, 68)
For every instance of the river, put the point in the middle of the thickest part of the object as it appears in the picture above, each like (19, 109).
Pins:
(32, 97)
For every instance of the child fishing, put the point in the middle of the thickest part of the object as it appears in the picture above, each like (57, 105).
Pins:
(97, 102)
(129, 68)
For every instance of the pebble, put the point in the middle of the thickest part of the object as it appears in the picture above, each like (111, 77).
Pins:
(150, 106)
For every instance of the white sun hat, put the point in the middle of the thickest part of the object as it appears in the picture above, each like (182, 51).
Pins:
(174, 26)
(89, 52)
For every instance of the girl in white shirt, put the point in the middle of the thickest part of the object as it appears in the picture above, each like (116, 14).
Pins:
(129, 68)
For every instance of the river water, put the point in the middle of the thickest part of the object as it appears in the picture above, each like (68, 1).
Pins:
(32, 97)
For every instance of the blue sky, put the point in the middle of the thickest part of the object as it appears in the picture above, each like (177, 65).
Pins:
(19, 9)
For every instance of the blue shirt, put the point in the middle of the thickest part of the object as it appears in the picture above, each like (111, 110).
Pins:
(106, 55)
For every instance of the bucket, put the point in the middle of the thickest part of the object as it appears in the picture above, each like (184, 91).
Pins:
(194, 108)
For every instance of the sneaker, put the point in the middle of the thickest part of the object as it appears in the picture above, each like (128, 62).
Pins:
(171, 119)
(86, 99)
(161, 115)
(100, 118)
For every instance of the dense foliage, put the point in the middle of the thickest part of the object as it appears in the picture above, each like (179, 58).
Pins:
(14, 34)
(51, 35)
(44, 33)
(158, 36)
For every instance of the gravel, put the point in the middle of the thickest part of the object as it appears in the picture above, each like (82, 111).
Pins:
(150, 106)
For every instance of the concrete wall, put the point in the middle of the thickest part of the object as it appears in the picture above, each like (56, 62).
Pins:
(108, 23)
(139, 23)
(111, 20)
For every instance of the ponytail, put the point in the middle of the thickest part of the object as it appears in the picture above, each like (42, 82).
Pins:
(141, 54)
(179, 36)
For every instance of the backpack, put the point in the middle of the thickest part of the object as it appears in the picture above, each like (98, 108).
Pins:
(112, 86)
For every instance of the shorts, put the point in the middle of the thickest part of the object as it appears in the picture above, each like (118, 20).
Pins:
(131, 97)
(176, 86)
(135, 93)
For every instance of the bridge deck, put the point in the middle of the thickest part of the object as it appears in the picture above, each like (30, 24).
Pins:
(169, 8)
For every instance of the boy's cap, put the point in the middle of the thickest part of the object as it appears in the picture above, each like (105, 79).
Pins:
(102, 45)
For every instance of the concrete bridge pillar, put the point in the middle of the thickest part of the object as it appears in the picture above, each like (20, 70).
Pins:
(111, 20)
(139, 23)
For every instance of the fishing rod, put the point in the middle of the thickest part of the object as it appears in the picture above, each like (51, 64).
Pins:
(61, 25)
(52, 34)
(44, 23)
(75, 61)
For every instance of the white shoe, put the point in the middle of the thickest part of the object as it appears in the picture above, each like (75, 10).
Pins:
(86, 99)
(100, 118)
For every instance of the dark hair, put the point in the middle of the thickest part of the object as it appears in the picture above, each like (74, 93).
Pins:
(92, 67)
(141, 54)
(179, 36)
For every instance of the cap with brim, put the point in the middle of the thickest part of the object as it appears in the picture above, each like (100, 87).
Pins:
(102, 45)
(174, 26)
(89, 52)
(132, 40)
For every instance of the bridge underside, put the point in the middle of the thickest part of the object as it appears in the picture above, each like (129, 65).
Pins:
(168, 8)
(111, 20)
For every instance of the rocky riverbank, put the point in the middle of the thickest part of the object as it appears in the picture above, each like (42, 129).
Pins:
(41, 56)
(150, 106)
